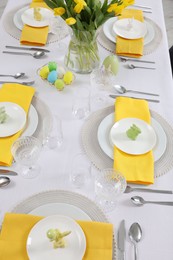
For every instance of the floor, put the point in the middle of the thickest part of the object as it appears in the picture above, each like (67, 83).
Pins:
(168, 12)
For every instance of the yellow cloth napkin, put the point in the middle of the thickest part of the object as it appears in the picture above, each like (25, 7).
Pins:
(21, 95)
(16, 227)
(34, 35)
(135, 168)
(126, 47)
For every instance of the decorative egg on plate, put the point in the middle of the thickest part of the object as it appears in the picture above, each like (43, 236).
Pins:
(52, 77)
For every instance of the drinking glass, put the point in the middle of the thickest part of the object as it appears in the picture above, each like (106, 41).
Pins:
(80, 172)
(26, 151)
(81, 103)
(54, 139)
(109, 185)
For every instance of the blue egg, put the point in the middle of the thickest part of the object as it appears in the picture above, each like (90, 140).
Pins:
(52, 77)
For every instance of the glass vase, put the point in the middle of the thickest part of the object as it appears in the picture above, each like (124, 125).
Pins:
(82, 55)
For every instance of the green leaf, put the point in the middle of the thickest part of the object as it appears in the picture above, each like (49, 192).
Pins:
(50, 3)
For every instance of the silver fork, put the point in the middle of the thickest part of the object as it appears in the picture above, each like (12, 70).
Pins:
(22, 83)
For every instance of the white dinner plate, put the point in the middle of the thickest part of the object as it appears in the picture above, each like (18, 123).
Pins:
(32, 122)
(110, 34)
(16, 119)
(40, 248)
(137, 30)
(144, 142)
(28, 17)
(62, 209)
(104, 141)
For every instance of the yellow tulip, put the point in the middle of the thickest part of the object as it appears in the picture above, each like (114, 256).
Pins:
(80, 2)
(116, 8)
(70, 21)
(59, 11)
(128, 2)
(78, 8)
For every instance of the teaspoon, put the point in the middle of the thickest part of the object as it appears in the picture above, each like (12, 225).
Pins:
(36, 55)
(138, 60)
(131, 66)
(130, 189)
(4, 181)
(123, 90)
(16, 76)
(139, 201)
(135, 235)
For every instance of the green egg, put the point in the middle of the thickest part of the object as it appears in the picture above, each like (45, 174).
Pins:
(59, 84)
(52, 65)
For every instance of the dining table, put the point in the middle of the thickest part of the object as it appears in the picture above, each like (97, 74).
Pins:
(156, 221)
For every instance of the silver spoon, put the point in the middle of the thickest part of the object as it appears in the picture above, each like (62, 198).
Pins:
(16, 76)
(131, 66)
(36, 55)
(123, 90)
(130, 189)
(4, 181)
(145, 61)
(135, 235)
(139, 201)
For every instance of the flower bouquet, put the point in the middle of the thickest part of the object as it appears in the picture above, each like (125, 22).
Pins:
(84, 18)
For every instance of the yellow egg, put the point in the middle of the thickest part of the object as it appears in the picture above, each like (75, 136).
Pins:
(68, 77)
(44, 71)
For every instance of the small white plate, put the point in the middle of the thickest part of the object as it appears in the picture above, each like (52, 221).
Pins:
(32, 122)
(104, 140)
(62, 209)
(110, 34)
(16, 119)
(138, 29)
(40, 248)
(28, 17)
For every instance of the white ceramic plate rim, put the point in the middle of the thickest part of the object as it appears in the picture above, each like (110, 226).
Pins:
(40, 248)
(28, 17)
(104, 142)
(139, 29)
(62, 209)
(32, 122)
(109, 33)
(16, 120)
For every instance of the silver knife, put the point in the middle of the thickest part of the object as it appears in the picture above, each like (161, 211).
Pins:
(28, 49)
(7, 172)
(121, 239)
(147, 99)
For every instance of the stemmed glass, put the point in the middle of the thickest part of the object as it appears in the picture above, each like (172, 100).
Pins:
(26, 151)
(109, 185)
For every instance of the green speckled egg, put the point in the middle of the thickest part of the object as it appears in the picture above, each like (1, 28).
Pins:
(59, 84)
(52, 65)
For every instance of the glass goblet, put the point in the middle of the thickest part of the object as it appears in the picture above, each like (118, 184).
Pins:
(26, 151)
(109, 185)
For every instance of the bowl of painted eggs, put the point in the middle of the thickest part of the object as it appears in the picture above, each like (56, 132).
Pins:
(56, 75)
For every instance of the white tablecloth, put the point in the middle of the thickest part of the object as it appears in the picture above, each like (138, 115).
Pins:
(156, 221)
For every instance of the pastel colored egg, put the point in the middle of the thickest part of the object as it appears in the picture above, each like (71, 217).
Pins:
(44, 71)
(59, 84)
(68, 77)
(61, 72)
(52, 65)
(111, 63)
(52, 77)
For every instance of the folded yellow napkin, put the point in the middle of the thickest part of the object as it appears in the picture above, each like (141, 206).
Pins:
(21, 95)
(135, 168)
(126, 47)
(16, 227)
(34, 35)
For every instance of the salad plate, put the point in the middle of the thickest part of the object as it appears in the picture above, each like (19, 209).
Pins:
(111, 35)
(16, 119)
(145, 141)
(40, 248)
(105, 144)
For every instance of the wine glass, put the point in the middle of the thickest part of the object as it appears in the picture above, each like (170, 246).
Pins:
(109, 185)
(26, 151)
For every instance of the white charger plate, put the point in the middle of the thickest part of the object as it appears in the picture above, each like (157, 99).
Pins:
(110, 34)
(104, 140)
(144, 142)
(40, 248)
(16, 119)
(62, 209)
(28, 17)
(137, 30)
(32, 122)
